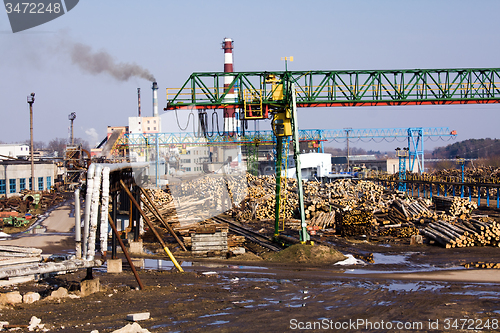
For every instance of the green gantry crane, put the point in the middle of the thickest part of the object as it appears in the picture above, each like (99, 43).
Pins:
(261, 95)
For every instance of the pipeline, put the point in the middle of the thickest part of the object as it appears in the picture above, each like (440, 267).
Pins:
(104, 211)
(88, 200)
(94, 213)
(78, 225)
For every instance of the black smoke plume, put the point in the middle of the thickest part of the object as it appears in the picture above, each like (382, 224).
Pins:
(102, 62)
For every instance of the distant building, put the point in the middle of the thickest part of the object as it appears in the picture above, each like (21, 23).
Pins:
(15, 176)
(14, 151)
(368, 162)
(146, 125)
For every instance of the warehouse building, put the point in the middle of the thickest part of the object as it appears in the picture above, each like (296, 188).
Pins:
(15, 176)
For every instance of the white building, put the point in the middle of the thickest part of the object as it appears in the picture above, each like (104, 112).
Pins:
(146, 125)
(14, 150)
(313, 165)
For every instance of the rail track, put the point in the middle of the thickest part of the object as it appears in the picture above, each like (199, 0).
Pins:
(249, 234)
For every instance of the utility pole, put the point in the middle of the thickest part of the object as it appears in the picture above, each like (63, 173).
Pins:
(31, 100)
(347, 130)
(72, 117)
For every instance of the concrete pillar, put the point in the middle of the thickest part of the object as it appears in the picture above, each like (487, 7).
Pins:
(114, 265)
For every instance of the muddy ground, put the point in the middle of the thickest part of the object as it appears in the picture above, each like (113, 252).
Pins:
(259, 296)
(422, 288)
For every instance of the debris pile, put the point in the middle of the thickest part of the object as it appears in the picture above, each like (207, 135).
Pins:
(18, 211)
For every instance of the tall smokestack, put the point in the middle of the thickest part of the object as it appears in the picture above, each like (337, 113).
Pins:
(229, 112)
(155, 99)
(139, 101)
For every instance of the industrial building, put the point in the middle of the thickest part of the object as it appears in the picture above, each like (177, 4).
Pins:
(14, 151)
(15, 176)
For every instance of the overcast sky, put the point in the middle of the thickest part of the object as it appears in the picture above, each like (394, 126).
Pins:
(172, 39)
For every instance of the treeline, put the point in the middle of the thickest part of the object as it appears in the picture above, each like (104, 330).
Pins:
(471, 148)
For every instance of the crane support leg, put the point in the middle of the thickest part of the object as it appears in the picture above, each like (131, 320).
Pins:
(279, 157)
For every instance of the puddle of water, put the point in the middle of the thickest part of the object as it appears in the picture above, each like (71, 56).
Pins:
(412, 286)
(482, 294)
(160, 264)
(301, 305)
(214, 315)
(219, 322)
(413, 269)
(390, 259)
(246, 267)
(244, 301)
(330, 307)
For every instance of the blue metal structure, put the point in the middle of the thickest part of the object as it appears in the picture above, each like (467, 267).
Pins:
(415, 136)
(304, 135)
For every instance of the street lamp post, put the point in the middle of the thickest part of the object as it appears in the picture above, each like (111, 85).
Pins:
(31, 100)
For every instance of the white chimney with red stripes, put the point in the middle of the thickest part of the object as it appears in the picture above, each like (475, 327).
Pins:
(230, 116)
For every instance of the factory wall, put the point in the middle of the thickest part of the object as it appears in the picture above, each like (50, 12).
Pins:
(15, 177)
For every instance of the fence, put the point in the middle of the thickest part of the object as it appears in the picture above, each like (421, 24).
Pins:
(476, 191)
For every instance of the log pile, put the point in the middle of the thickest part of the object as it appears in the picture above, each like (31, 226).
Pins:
(355, 222)
(482, 264)
(455, 206)
(346, 207)
(464, 233)
(398, 231)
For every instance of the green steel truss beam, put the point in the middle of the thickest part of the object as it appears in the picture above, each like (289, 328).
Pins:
(343, 88)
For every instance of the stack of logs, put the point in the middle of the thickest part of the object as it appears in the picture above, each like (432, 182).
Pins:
(464, 233)
(455, 206)
(356, 222)
(348, 207)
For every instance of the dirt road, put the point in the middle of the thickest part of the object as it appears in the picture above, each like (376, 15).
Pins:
(58, 232)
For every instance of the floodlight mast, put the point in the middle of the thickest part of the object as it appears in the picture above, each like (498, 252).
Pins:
(72, 117)
(31, 100)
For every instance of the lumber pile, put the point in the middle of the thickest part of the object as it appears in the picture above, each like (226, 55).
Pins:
(209, 237)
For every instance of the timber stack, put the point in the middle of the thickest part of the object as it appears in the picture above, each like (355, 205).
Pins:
(345, 207)
(464, 233)
(455, 206)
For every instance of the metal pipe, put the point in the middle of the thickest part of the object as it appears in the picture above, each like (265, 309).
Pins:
(78, 225)
(151, 226)
(125, 252)
(114, 213)
(104, 209)
(88, 203)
